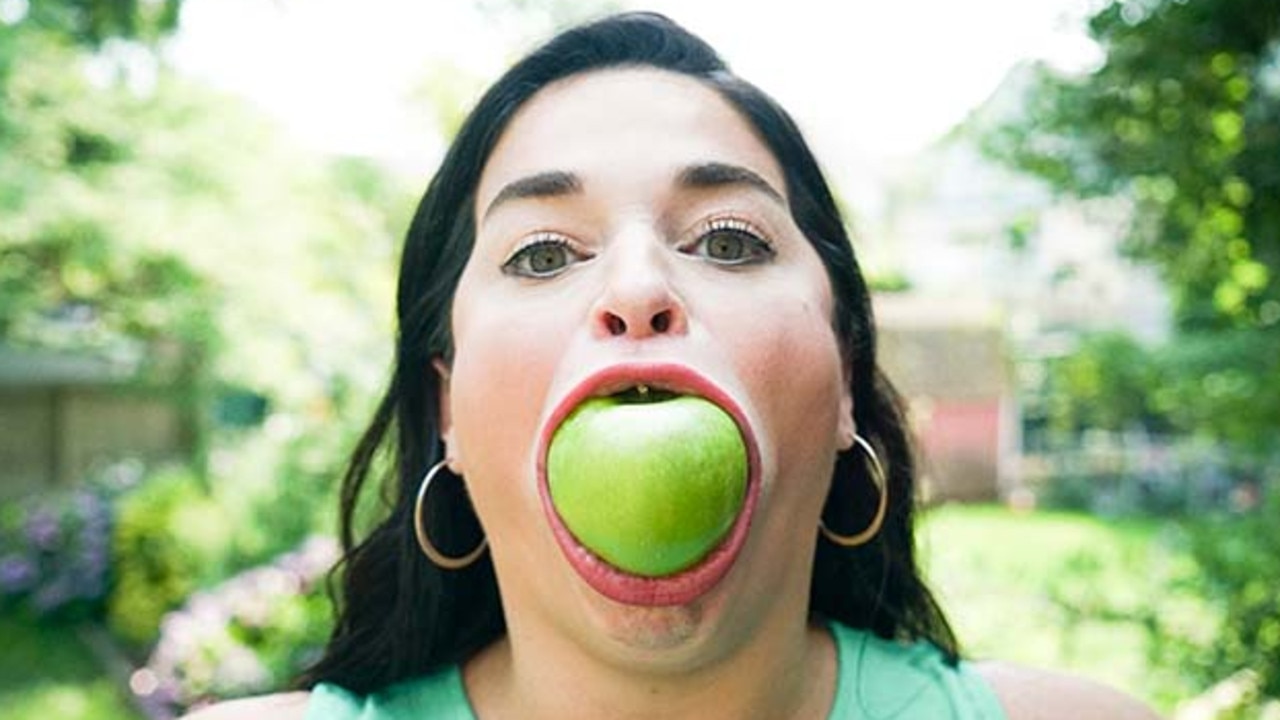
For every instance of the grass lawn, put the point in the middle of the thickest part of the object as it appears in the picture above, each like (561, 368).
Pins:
(46, 673)
(1063, 591)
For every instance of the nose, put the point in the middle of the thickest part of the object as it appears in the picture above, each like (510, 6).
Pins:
(639, 300)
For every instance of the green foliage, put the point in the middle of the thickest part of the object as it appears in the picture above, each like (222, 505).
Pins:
(281, 489)
(1070, 591)
(1223, 385)
(1167, 611)
(92, 22)
(891, 282)
(1180, 119)
(73, 276)
(1106, 383)
(69, 288)
(1217, 385)
(1240, 559)
(168, 540)
(46, 671)
(170, 210)
(162, 221)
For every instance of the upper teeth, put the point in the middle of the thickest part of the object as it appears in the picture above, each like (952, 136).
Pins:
(642, 389)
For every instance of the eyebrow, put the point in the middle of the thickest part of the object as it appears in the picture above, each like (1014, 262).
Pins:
(701, 176)
(554, 183)
(718, 174)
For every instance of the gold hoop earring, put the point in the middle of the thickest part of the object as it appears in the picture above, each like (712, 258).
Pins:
(440, 559)
(882, 484)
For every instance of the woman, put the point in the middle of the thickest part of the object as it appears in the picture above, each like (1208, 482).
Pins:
(622, 220)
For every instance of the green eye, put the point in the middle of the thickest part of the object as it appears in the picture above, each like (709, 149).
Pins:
(540, 259)
(726, 246)
(731, 242)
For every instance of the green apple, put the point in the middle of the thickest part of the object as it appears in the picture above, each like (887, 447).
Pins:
(649, 481)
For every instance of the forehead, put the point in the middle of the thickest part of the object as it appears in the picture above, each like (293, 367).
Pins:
(640, 123)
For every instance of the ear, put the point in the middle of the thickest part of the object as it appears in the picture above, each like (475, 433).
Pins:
(445, 416)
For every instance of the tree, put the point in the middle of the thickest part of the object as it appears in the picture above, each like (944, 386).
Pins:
(1183, 120)
(93, 22)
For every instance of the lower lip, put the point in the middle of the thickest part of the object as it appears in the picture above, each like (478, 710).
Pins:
(687, 585)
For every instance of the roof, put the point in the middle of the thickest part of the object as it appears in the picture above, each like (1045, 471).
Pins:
(26, 367)
(943, 347)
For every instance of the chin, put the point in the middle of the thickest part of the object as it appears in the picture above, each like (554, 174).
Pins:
(663, 638)
(662, 630)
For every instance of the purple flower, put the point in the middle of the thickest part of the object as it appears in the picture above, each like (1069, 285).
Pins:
(17, 574)
(43, 530)
(86, 504)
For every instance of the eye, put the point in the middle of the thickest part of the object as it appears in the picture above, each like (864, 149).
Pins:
(729, 241)
(545, 256)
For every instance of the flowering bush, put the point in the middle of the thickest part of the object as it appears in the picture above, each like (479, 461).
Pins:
(169, 539)
(55, 549)
(250, 634)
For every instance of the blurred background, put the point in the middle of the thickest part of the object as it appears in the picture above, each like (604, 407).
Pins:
(1069, 211)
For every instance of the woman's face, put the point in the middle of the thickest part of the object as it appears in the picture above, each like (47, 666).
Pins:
(630, 222)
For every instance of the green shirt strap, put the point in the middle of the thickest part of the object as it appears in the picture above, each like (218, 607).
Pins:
(440, 696)
(880, 679)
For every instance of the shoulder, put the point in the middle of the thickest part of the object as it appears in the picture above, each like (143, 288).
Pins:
(1030, 694)
(280, 706)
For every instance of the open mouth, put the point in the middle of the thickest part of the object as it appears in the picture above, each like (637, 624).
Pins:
(654, 504)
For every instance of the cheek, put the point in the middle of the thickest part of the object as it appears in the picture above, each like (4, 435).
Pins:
(791, 359)
(503, 364)
(791, 363)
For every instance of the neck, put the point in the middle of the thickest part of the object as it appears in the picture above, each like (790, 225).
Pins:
(786, 671)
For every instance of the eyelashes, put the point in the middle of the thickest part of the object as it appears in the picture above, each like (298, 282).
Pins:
(725, 241)
(545, 255)
(731, 241)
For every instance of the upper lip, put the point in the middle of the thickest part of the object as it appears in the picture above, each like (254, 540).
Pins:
(611, 383)
(669, 377)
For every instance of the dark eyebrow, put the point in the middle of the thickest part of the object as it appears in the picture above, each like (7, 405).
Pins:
(717, 174)
(553, 183)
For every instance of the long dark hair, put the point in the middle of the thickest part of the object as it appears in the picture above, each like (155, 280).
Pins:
(398, 614)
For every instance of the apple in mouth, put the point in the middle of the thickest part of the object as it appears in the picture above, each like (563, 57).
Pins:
(650, 481)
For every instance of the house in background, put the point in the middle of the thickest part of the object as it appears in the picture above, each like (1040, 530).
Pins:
(950, 361)
(1003, 276)
(63, 416)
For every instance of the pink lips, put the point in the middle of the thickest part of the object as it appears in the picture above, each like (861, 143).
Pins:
(688, 585)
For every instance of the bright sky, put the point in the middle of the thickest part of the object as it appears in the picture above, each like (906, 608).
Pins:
(868, 80)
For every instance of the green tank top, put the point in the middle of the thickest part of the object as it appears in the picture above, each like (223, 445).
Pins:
(877, 679)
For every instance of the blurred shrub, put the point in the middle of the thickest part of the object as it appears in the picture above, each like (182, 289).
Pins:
(1239, 557)
(54, 549)
(278, 485)
(270, 488)
(1138, 474)
(1065, 492)
(249, 634)
(169, 539)
(1215, 386)
(1106, 383)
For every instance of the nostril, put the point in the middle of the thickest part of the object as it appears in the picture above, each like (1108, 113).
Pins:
(661, 322)
(617, 326)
